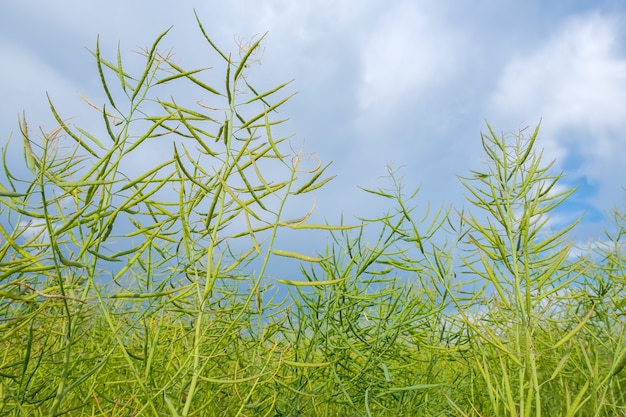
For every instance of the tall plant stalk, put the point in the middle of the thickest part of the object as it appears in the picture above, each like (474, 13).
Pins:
(524, 262)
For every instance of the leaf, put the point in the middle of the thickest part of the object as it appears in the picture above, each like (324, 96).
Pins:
(411, 388)
(195, 80)
(67, 262)
(243, 64)
(6, 193)
(266, 94)
(148, 65)
(306, 364)
(101, 72)
(310, 283)
(295, 255)
(309, 184)
(179, 75)
(250, 121)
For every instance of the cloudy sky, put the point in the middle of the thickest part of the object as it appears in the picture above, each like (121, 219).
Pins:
(408, 83)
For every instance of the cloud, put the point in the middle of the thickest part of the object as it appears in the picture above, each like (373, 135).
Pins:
(576, 80)
(408, 52)
(408, 82)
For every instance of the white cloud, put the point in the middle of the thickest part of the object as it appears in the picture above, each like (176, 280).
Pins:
(595, 247)
(576, 80)
(405, 81)
(308, 19)
(409, 51)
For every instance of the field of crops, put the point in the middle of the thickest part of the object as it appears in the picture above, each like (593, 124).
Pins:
(151, 291)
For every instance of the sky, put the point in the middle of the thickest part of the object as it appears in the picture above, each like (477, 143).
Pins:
(406, 83)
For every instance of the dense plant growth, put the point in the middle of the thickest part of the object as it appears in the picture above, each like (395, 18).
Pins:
(133, 283)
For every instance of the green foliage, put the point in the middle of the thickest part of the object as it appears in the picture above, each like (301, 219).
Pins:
(134, 272)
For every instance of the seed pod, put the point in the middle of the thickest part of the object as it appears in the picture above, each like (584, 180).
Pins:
(620, 365)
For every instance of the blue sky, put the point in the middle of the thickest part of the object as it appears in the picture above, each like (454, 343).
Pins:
(408, 83)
